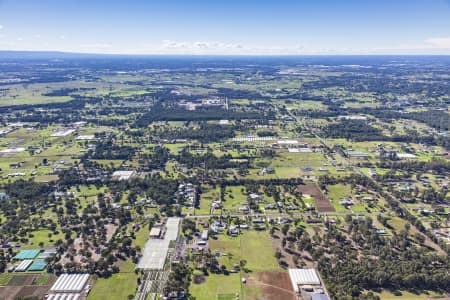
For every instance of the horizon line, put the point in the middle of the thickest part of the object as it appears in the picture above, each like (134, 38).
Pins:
(222, 54)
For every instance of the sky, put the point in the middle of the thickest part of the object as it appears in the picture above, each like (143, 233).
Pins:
(274, 27)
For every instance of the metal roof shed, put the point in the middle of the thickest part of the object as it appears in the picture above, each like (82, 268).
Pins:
(303, 277)
(319, 297)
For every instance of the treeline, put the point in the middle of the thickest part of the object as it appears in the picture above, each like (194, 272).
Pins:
(207, 160)
(356, 130)
(159, 113)
(439, 166)
(155, 187)
(437, 119)
(206, 133)
(360, 130)
(66, 91)
(107, 149)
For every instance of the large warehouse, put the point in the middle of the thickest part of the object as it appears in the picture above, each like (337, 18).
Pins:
(302, 277)
(155, 251)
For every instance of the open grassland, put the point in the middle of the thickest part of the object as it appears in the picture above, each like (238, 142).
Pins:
(118, 286)
(255, 247)
(217, 286)
(210, 195)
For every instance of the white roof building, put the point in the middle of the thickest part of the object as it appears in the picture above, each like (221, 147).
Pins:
(155, 251)
(303, 277)
(123, 175)
(70, 283)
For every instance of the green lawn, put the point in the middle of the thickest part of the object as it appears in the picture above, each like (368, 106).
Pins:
(257, 250)
(217, 287)
(234, 198)
(42, 236)
(212, 194)
(118, 286)
(253, 246)
(338, 192)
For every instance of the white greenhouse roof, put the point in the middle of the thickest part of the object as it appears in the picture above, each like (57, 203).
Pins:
(303, 277)
(70, 283)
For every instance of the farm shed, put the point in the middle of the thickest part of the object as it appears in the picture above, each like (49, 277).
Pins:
(319, 297)
(301, 277)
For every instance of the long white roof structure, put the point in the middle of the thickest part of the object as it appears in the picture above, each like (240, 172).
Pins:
(67, 283)
(155, 251)
(303, 277)
(23, 266)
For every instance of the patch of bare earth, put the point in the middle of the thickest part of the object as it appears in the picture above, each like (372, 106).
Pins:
(275, 285)
(15, 292)
(321, 202)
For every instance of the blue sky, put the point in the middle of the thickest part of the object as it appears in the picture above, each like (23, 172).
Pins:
(227, 26)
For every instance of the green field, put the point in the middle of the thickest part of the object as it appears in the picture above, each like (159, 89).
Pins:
(255, 247)
(118, 286)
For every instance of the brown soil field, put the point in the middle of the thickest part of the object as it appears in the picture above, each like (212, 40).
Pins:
(275, 285)
(320, 200)
(14, 292)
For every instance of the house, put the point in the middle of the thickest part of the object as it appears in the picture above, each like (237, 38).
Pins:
(270, 206)
(233, 231)
(255, 197)
(313, 220)
(244, 209)
(258, 221)
(267, 171)
(204, 235)
(346, 202)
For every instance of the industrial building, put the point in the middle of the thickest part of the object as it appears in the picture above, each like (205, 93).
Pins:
(155, 251)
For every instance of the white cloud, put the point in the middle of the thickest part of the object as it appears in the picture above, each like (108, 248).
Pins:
(439, 42)
(1, 27)
(96, 46)
(214, 47)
